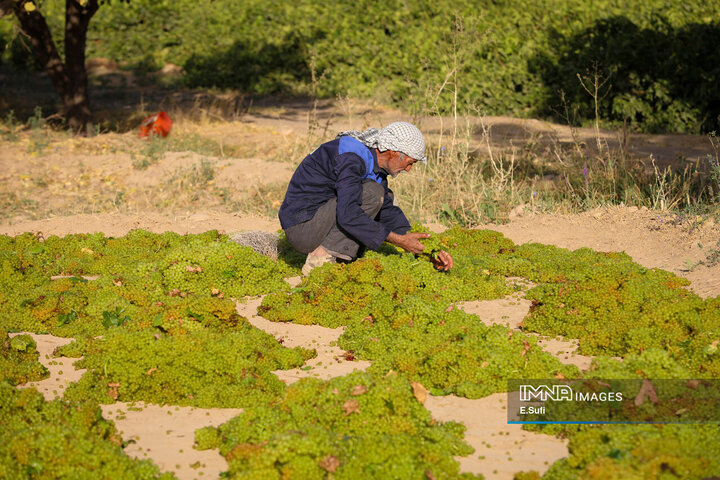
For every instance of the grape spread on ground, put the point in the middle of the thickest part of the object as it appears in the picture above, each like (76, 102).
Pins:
(614, 306)
(154, 317)
(204, 368)
(63, 440)
(19, 359)
(357, 426)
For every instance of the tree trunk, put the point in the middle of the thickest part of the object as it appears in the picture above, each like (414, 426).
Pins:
(69, 77)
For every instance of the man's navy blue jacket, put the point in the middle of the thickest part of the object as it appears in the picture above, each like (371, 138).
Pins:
(337, 169)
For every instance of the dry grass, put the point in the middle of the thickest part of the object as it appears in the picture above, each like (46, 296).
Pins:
(468, 179)
(51, 173)
(469, 182)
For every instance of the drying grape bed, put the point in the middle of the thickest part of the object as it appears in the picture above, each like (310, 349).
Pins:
(154, 318)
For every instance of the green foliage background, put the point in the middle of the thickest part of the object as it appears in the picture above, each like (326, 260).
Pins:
(512, 57)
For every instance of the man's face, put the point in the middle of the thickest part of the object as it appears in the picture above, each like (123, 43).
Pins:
(399, 163)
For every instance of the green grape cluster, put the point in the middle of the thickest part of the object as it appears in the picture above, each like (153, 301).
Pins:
(157, 280)
(236, 271)
(619, 452)
(335, 294)
(650, 363)
(616, 307)
(701, 351)
(203, 367)
(612, 305)
(449, 351)
(60, 439)
(19, 359)
(432, 244)
(357, 426)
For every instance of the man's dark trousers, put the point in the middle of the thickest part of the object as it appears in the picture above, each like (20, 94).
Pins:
(323, 229)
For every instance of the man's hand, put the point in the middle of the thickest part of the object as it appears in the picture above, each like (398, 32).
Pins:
(411, 242)
(443, 261)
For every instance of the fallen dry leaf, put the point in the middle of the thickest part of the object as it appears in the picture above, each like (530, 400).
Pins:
(330, 463)
(113, 390)
(359, 390)
(525, 348)
(351, 406)
(646, 390)
(420, 392)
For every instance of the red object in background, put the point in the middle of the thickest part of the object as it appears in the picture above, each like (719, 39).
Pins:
(158, 124)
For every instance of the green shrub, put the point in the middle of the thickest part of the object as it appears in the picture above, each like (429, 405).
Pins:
(511, 58)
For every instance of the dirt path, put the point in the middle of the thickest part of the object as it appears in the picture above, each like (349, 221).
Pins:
(331, 117)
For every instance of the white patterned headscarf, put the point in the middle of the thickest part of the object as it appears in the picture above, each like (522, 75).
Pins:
(401, 137)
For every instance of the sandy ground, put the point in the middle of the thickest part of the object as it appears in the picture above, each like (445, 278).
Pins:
(164, 434)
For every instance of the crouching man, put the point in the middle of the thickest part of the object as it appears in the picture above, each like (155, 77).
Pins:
(338, 199)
